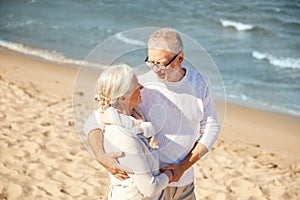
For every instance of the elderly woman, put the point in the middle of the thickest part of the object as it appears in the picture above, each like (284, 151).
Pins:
(118, 94)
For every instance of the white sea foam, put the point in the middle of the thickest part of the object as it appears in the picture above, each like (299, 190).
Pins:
(277, 61)
(18, 24)
(244, 100)
(31, 1)
(49, 55)
(277, 9)
(121, 37)
(237, 25)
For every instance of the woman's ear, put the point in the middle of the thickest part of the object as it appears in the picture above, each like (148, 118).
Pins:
(122, 99)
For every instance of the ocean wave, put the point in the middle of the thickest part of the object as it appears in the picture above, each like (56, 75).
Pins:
(20, 24)
(247, 101)
(48, 55)
(31, 1)
(121, 37)
(237, 25)
(277, 61)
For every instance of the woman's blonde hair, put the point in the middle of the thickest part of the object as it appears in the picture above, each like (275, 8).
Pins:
(113, 83)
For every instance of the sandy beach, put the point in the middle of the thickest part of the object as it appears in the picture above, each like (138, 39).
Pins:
(42, 157)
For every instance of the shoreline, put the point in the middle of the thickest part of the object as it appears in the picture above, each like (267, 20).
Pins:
(264, 108)
(234, 110)
(257, 154)
(250, 105)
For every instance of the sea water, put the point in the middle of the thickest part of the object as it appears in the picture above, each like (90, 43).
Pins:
(254, 43)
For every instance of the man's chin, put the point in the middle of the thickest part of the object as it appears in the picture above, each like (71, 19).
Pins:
(162, 78)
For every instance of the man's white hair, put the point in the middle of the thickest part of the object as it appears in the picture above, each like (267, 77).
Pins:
(166, 39)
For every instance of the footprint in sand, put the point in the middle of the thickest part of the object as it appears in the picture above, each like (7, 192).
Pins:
(245, 188)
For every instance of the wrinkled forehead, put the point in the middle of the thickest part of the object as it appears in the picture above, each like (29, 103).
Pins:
(134, 78)
(159, 54)
(134, 81)
(164, 50)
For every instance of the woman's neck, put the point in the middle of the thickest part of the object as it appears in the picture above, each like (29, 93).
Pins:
(126, 110)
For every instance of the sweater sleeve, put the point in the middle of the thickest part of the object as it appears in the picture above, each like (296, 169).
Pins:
(91, 123)
(150, 185)
(210, 127)
(139, 161)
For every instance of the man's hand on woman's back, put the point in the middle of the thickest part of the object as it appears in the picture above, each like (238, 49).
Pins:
(107, 160)
(110, 162)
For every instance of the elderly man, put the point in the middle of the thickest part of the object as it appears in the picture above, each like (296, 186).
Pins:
(179, 103)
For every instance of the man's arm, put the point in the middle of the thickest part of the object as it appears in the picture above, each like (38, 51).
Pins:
(196, 154)
(209, 133)
(108, 160)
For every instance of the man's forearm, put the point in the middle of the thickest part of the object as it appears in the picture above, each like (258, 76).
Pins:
(95, 138)
(196, 154)
(107, 160)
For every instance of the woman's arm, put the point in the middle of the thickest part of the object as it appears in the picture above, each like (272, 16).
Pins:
(139, 159)
(147, 183)
(150, 185)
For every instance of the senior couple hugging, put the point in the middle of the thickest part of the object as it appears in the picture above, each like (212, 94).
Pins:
(148, 134)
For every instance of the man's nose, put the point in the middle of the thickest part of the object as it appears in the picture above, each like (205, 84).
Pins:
(156, 68)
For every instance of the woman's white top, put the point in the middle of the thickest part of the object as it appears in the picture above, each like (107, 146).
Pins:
(123, 136)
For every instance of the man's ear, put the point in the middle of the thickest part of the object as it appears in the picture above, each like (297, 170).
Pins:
(181, 57)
